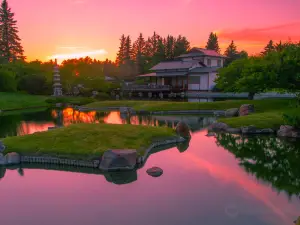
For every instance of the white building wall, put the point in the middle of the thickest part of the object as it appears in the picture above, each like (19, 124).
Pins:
(213, 61)
(204, 79)
(212, 77)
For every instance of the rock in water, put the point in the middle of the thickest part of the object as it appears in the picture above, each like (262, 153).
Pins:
(2, 171)
(183, 130)
(218, 126)
(2, 146)
(232, 112)
(113, 160)
(246, 109)
(12, 158)
(288, 131)
(155, 171)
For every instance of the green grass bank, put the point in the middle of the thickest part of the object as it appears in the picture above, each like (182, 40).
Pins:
(84, 141)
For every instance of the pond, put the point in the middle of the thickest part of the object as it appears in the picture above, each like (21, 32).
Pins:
(223, 179)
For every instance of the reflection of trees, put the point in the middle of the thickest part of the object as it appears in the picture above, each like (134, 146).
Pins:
(268, 158)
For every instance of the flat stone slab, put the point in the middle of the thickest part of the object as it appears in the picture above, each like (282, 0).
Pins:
(155, 171)
(119, 160)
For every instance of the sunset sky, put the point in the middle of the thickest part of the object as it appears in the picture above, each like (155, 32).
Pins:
(74, 28)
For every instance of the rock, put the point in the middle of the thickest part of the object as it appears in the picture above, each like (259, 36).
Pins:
(246, 109)
(210, 134)
(183, 130)
(123, 177)
(2, 171)
(183, 146)
(288, 131)
(2, 160)
(155, 171)
(233, 130)
(2, 146)
(218, 126)
(12, 158)
(253, 130)
(113, 160)
(232, 112)
(249, 130)
(58, 105)
(123, 110)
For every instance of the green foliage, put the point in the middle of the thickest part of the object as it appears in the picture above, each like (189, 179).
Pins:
(102, 96)
(7, 81)
(233, 54)
(10, 43)
(292, 119)
(34, 84)
(269, 48)
(213, 43)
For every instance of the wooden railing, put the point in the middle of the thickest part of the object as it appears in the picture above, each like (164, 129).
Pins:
(150, 87)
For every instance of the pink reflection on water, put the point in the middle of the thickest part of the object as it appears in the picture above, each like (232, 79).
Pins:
(197, 185)
(33, 127)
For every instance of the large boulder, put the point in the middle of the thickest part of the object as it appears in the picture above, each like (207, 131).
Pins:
(115, 160)
(232, 112)
(183, 146)
(288, 131)
(122, 177)
(246, 109)
(183, 130)
(155, 171)
(12, 158)
(253, 130)
(2, 146)
(218, 126)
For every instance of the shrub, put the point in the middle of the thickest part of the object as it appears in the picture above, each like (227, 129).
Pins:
(292, 119)
(34, 84)
(102, 96)
(7, 81)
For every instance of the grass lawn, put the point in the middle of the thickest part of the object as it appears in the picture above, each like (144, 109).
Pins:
(268, 112)
(18, 100)
(86, 140)
(260, 105)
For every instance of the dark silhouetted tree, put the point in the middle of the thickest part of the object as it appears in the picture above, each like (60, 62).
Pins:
(138, 53)
(269, 48)
(212, 42)
(121, 53)
(182, 45)
(10, 45)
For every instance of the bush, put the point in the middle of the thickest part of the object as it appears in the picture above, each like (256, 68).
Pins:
(34, 84)
(7, 81)
(102, 96)
(292, 119)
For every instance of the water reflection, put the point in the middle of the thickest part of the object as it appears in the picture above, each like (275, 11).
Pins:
(204, 184)
(28, 123)
(270, 159)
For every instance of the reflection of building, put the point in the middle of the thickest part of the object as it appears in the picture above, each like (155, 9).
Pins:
(57, 88)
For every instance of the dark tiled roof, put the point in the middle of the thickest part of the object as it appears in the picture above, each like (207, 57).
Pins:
(147, 75)
(201, 52)
(174, 65)
(171, 74)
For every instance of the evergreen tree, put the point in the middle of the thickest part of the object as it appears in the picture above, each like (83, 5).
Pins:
(127, 49)
(121, 53)
(269, 48)
(138, 53)
(160, 54)
(212, 42)
(127, 68)
(170, 44)
(231, 53)
(182, 45)
(10, 45)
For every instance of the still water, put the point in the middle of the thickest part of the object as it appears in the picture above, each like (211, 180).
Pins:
(225, 179)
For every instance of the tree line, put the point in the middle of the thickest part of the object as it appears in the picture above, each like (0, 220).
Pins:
(138, 57)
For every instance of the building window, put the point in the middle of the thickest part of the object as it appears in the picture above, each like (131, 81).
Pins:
(209, 62)
(219, 62)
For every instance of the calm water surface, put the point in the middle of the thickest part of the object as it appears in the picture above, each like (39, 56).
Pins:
(217, 180)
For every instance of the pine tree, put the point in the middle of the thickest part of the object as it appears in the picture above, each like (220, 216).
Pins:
(182, 45)
(10, 45)
(231, 53)
(127, 49)
(138, 53)
(269, 48)
(213, 43)
(170, 43)
(120, 55)
(160, 53)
